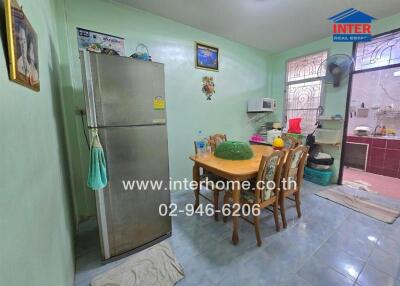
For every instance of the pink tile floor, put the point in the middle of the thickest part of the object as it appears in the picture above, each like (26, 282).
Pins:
(386, 186)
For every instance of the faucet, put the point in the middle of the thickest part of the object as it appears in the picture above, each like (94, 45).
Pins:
(376, 127)
(382, 131)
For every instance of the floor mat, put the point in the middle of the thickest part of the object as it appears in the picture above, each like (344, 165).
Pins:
(359, 184)
(361, 204)
(155, 266)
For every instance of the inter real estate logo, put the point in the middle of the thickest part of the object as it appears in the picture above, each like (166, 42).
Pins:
(351, 25)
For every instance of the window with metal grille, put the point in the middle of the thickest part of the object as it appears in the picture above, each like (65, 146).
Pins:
(383, 50)
(303, 90)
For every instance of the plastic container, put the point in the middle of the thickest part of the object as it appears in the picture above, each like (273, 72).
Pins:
(295, 125)
(327, 136)
(320, 177)
(201, 144)
(272, 134)
(322, 161)
(257, 138)
(319, 166)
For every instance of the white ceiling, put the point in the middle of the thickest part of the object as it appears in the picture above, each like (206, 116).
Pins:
(271, 25)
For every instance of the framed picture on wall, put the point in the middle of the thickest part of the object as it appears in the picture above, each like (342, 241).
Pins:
(206, 57)
(22, 47)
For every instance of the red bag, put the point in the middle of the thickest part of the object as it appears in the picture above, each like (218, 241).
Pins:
(294, 125)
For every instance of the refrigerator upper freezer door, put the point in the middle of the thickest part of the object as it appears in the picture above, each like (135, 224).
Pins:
(125, 89)
(132, 216)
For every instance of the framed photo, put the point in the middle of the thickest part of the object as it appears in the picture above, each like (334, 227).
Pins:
(22, 47)
(206, 57)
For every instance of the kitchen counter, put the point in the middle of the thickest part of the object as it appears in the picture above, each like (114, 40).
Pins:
(383, 155)
(387, 137)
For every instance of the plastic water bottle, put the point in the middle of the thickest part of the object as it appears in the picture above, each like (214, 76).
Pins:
(200, 143)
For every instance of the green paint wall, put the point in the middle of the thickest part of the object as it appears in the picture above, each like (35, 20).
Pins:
(335, 101)
(244, 73)
(35, 219)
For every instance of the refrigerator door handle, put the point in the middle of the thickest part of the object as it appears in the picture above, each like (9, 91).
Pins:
(90, 103)
(128, 126)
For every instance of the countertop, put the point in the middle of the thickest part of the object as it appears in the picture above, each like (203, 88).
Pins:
(387, 137)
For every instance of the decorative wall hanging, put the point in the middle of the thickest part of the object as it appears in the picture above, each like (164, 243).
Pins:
(22, 47)
(100, 43)
(208, 86)
(206, 57)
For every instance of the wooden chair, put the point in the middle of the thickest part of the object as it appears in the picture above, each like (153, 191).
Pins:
(261, 197)
(289, 141)
(293, 170)
(216, 139)
(210, 177)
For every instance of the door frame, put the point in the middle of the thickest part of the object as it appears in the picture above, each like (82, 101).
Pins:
(348, 99)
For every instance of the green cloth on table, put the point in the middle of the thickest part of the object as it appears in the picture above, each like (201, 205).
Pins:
(234, 150)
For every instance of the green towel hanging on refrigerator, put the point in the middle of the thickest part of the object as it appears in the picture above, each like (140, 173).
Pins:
(97, 177)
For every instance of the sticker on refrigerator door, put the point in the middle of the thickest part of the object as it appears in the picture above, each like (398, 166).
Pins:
(159, 103)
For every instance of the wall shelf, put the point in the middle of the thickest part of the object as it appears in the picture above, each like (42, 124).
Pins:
(388, 114)
(328, 118)
(337, 144)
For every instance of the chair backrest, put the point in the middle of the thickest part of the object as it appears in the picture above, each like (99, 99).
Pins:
(270, 171)
(216, 139)
(289, 141)
(294, 166)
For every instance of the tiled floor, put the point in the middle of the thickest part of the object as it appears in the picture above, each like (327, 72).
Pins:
(329, 245)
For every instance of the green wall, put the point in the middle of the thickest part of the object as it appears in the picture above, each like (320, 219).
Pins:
(244, 73)
(335, 101)
(35, 219)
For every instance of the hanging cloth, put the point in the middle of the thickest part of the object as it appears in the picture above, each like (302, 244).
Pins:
(97, 177)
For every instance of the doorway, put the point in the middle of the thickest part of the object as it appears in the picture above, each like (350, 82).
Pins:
(371, 139)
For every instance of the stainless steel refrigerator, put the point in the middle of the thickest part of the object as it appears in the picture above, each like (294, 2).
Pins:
(119, 96)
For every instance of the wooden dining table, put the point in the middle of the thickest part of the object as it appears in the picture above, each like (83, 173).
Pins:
(233, 170)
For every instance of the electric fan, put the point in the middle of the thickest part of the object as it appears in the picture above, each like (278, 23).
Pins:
(335, 68)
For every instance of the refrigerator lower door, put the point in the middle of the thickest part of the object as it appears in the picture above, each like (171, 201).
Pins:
(130, 218)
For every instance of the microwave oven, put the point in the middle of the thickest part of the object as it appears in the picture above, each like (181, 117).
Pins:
(261, 105)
